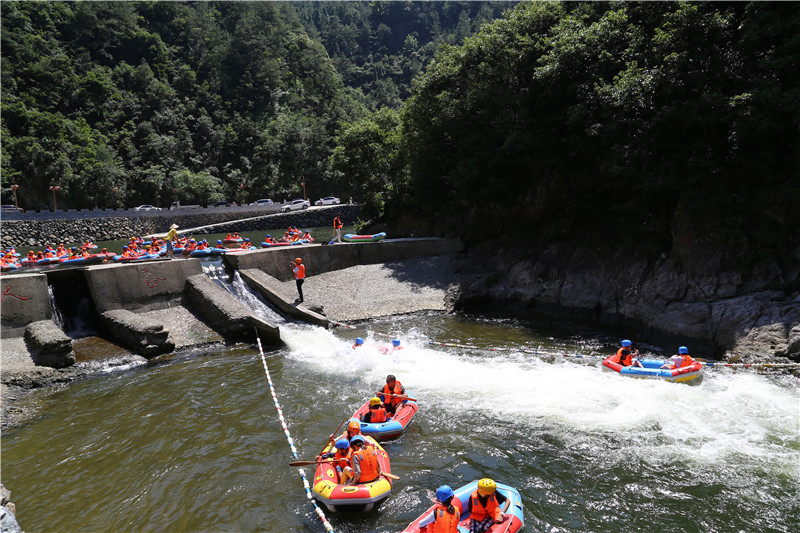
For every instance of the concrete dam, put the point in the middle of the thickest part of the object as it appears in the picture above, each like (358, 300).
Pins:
(141, 306)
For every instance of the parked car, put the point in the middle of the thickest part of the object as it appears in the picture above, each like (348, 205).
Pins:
(328, 200)
(296, 205)
(147, 207)
(11, 209)
(262, 203)
(221, 203)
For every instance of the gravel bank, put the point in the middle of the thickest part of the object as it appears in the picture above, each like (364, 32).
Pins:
(370, 291)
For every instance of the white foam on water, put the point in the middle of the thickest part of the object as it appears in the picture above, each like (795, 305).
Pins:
(730, 417)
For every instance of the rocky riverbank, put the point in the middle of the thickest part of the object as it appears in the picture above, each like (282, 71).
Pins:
(692, 296)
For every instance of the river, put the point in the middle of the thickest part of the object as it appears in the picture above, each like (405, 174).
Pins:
(193, 443)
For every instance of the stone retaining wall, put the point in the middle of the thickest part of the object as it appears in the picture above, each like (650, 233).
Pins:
(70, 230)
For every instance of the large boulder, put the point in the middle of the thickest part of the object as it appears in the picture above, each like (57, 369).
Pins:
(48, 345)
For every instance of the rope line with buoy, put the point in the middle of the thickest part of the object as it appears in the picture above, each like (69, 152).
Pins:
(306, 485)
(704, 362)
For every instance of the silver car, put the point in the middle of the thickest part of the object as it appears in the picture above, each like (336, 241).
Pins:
(296, 205)
(328, 200)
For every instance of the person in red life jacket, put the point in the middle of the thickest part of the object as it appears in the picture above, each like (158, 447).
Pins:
(39, 255)
(31, 256)
(268, 239)
(307, 237)
(484, 507)
(393, 394)
(359, 343)
(681, 360)
(236, 235)
(126, 253)
(445, 515)
(299, 270)
(341, 459)
(396, 345)
(228, 237)
(626, 356)
(364, 462)
(61, 251)
(337, 229)
(377, 413)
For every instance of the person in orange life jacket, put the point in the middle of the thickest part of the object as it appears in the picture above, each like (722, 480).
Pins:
(342, 457)
(31, 256)
(299, 270)
(681, 360)
(353, 429)
(307, 236)
(126, 253)
(337, 229)
(359, 343)
(376, 414)
(364, 462)
(268, 239)
(484, 507)
(391, 394)
(445, 515)
(629, 358)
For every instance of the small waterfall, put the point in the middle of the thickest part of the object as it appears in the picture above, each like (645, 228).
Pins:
(57, 317)
(241, 291)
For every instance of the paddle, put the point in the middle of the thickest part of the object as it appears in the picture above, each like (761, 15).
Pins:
(390, 476)
(333, 435)
(403, 396)
(306, 463)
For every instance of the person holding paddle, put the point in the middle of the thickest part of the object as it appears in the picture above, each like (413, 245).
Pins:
(393, 394)
(364, 462)
(340, 459)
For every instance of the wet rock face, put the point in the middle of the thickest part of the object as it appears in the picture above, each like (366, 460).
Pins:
(714, 308)
(48, 345)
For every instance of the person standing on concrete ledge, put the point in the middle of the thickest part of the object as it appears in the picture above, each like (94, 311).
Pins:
(337, 229)
(300, 276)
(171, 235)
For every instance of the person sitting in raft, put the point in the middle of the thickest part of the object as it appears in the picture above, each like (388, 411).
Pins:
(61, 251)
(364, 462)
(396, 345)
(268, 239)
(353, 429)
(484, 507)
(126, 253)
(228, 237)
(236, 235)
(359, 343)
(376, 414)
(681, 360)
(31, 256)
(341, 459)
(625, 356)
(393, 394)
(307, 237)
(39, 255)
(444, 516)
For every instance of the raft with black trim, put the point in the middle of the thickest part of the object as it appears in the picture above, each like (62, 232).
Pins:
(651, 369)
(392, 428)
(351, 498)
(512, 509)
(364, 238)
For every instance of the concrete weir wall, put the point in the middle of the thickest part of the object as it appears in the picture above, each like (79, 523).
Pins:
(129, 299)
(320, 258)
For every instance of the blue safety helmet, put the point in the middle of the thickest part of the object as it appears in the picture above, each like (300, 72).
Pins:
(626, 342)
(359, 340)
(268, 235)
(342, 444)
(444, 493)
(683, 350)
(219, 241)
(396, 342)
(357, 439)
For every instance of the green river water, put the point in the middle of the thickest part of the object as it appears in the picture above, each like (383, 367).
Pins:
(193, 443)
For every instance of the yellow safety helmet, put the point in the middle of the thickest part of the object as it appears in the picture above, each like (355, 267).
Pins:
(374, 401)
(486, 486)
